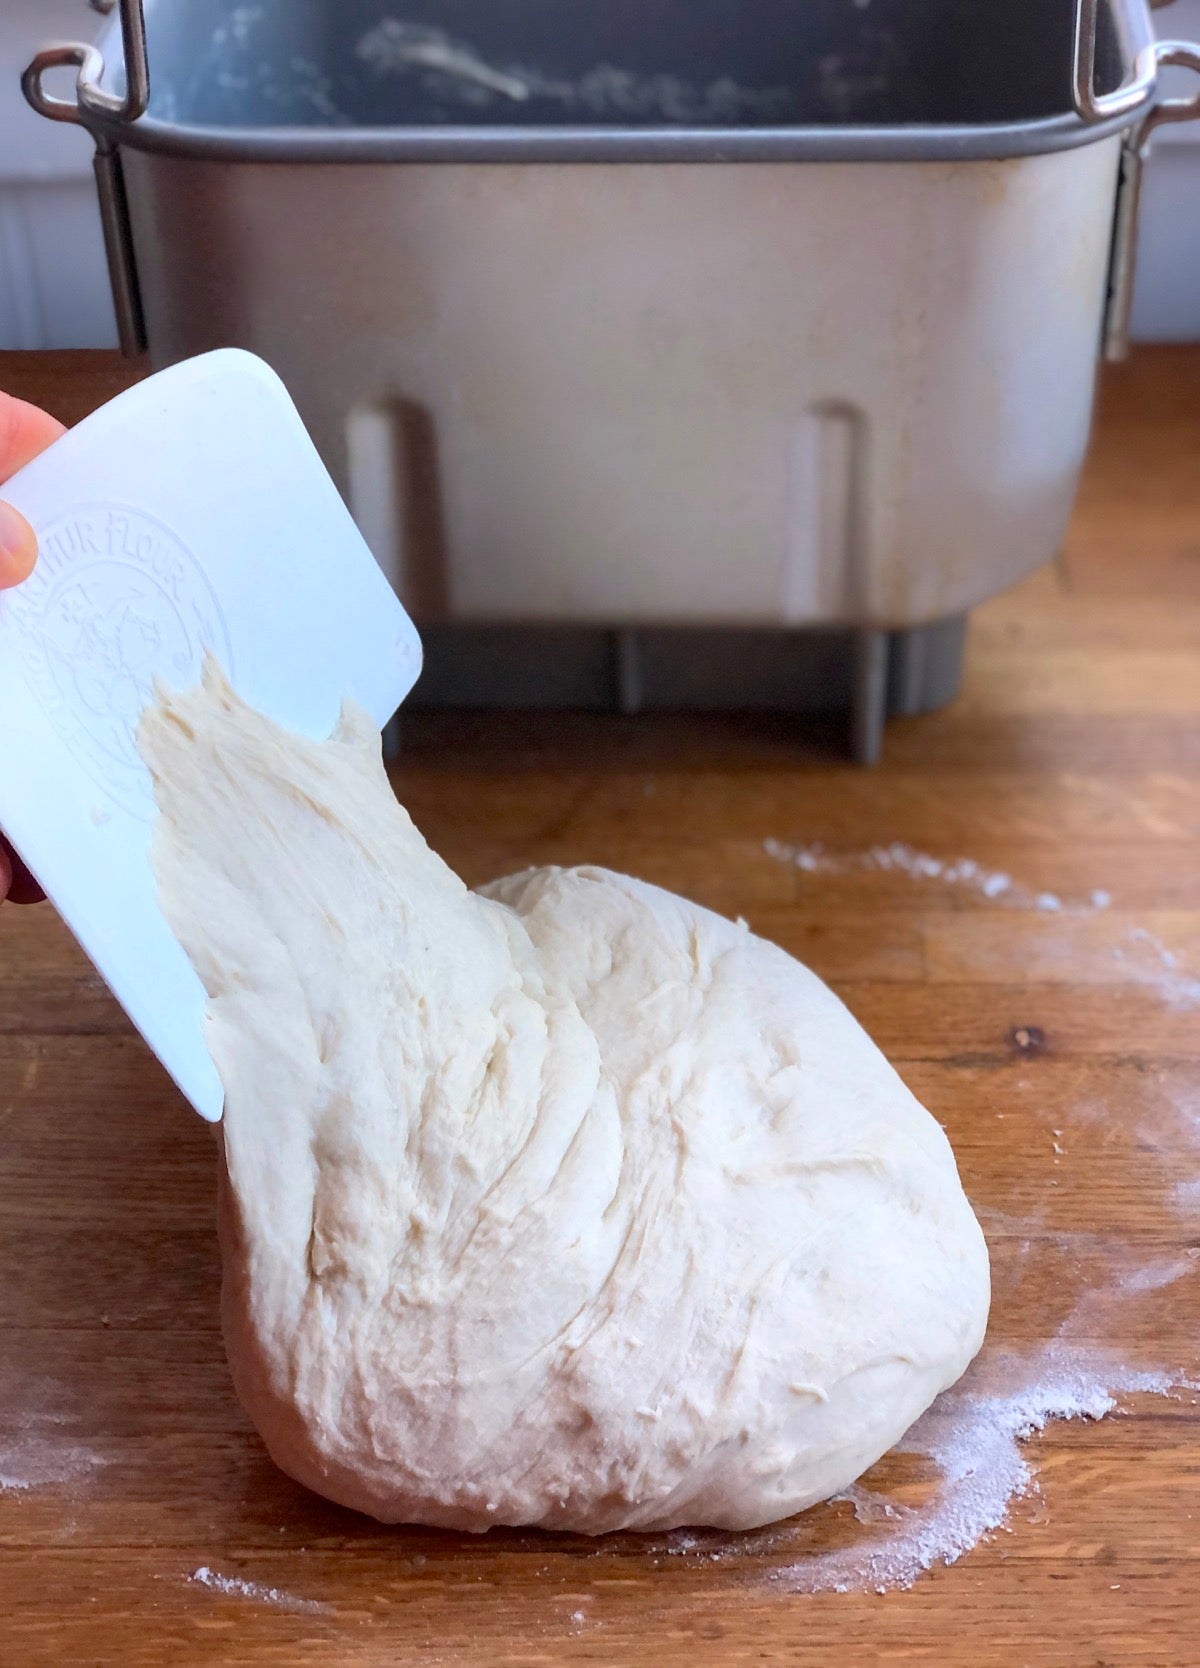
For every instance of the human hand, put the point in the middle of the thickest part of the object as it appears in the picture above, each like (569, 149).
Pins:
(24, 432)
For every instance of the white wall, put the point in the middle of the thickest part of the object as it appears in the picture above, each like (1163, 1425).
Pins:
(1166, 305)
(54, 284)
(53, 278)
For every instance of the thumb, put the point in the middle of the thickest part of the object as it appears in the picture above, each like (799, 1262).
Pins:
(18, 547)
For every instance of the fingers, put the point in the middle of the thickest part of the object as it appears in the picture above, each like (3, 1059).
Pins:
(18, 547)
(16, 882)
(25, 430)
(24, 889)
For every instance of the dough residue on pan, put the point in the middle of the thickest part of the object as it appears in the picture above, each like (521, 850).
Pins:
(565, 1203)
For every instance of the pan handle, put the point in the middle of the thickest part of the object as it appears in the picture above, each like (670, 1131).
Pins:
(1184, 55)
(1124, 100)
(1123, 264)
(91, 99)
(97, 110)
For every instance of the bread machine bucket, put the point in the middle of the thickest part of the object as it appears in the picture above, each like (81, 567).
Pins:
(669, 352)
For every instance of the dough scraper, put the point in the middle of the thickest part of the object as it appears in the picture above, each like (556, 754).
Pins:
(191, 514)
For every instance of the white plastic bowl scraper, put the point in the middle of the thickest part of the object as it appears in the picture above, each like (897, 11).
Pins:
(191, 513)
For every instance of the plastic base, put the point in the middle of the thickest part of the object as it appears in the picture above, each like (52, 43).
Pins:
(869, 675)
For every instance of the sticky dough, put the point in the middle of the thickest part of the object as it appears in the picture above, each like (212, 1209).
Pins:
(564, 1203)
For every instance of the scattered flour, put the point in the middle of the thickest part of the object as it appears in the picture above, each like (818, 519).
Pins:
(234, 1587)
(30, 1460)
(457, 74)
(1185, 1196)
(1147, 961)
(974, 1436)
(1143, 958)
(37, 1445)
(902, 859)
(238, 27)
(394, 45)
(870, 1507)
(1157, 1276)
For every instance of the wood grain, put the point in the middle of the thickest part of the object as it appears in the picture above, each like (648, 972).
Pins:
(1060, 1049)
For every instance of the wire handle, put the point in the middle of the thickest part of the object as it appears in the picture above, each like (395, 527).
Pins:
(1134, 149)
(1124, 100)
(97, 110)
(91, 99)
(1183, 55)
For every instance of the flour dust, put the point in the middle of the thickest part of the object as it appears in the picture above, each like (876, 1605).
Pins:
(456, 76)
(1145, 960)
(233, 1586)
(39, 1442)
(974, 1436)
(898, 858)
(1137, 955)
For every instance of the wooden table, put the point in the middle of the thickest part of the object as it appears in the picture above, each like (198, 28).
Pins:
(1072, 763)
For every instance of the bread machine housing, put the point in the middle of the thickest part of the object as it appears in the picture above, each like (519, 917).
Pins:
(668, 351)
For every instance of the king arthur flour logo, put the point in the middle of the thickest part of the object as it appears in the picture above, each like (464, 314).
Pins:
(114, 602)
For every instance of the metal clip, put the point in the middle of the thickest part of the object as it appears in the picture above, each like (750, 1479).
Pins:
(1134, 150)
(1124, 100)
(90, 97)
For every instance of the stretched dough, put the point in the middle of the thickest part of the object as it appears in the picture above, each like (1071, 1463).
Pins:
(568, 1203)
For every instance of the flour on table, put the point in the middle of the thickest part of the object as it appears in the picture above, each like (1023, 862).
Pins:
(1146, 960)
(1186, 1196)
(232, 1586)
(39, 1446)
(1141, 957)
(34, 1456)
(899, 858)
(974, 1437)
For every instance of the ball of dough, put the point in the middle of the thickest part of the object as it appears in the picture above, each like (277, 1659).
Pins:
(569, 1203)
